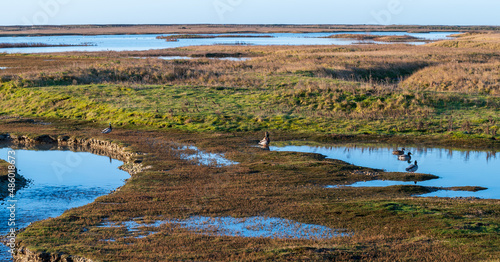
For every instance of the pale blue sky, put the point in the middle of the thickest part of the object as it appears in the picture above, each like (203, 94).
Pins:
(424, 12)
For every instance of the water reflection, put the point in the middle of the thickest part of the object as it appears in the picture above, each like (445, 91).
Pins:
(59, 180)
(456, 168)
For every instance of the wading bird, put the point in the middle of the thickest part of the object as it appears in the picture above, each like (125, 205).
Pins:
(399, 152)
(412, 168)
(265, 141)
(107, 130)
(405, 157)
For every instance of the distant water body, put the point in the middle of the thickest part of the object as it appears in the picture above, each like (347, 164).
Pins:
(150, 42)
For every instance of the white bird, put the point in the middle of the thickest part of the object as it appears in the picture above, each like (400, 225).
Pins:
(399, 152)
(107, 130)
(265, 141)
(405, 157)
(412, 168)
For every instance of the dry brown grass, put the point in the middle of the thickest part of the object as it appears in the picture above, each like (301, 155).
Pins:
(486, 41)
(458, 77)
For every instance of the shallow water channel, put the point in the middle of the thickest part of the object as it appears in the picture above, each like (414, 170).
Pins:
(455, 168)
(59, 180)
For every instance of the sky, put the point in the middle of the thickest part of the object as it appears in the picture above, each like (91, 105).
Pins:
(416, 12)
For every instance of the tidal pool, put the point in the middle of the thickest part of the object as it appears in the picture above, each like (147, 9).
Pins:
(204, 158)
(455, 168)
(59, 180)
(265, 227)
(149, 41)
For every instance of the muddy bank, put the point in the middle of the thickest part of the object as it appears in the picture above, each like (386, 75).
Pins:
(47, 142)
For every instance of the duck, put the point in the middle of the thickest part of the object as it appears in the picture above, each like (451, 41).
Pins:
(412, 168)
(265, 141)
(107, 130)
(399, 152)
(405, 157)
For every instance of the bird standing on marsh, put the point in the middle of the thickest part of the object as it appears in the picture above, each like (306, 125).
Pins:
(413, 167)
(107, 130)
(265, 141)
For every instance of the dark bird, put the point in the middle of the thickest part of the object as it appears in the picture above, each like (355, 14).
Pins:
(412, 168)
(405, 157)
(399, 152)
(265, 141)
(107, 130)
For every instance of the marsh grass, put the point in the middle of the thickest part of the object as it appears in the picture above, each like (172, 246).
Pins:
(350, 90)
(386, 223)
(26, 45)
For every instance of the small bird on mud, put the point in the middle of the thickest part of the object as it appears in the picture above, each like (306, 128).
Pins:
(412, 168)
(399, 152)
(405, 157)
(107, 130)
(265, 141)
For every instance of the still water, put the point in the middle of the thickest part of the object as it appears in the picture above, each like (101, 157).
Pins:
(148, 42)
(59, 180)
(252, 227)
(454, 167)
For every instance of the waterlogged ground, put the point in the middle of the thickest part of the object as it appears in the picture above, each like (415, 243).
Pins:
(204, 158)
(265, 227)
(148, 42)
(453, 167)
(59, 180)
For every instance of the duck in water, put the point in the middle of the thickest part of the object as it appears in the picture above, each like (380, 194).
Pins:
(265, 141)
(412, 168)
(405, 157)
(107, 130)
(399, 152)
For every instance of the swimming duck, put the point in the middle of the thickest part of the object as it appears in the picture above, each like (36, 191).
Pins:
(107, 130)
(412, 168)
(265, 141)
(399, 152)
(405, 157)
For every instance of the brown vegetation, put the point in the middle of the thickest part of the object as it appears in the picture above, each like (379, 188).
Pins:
(378, 38)
(220, 29)
(489, 41)
(25, 45)
(174, 38)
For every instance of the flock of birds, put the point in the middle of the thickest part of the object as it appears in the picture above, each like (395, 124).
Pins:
(264, 144)
(401, 156)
